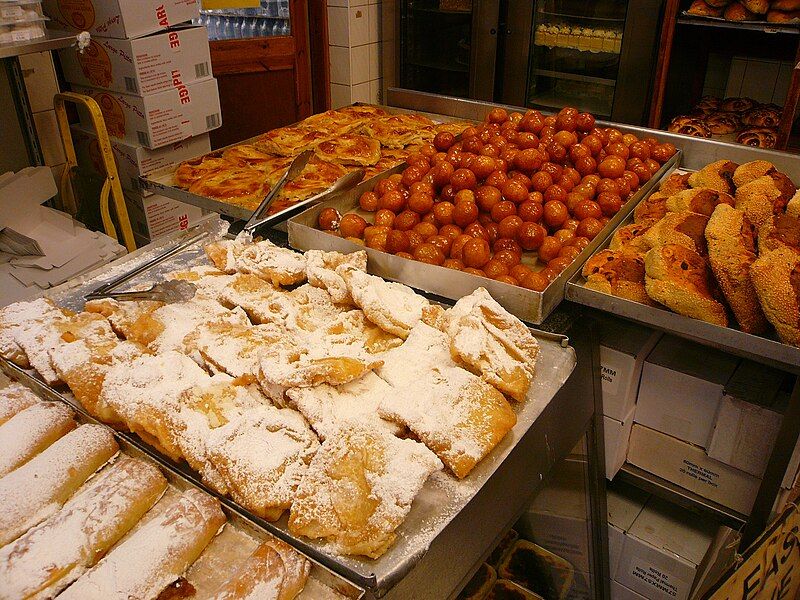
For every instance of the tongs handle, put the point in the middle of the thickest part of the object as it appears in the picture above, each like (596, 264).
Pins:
(142, 295)
(298, 164)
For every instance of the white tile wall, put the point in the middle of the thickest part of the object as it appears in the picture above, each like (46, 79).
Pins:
(761, 80)
(354, 34)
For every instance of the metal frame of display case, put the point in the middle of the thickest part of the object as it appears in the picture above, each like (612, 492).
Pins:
(696, 154)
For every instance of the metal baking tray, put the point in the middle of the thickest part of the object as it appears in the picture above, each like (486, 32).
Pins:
(761, 349)
(528, 305)
(441, 499)
(131, 445)
(161, 182)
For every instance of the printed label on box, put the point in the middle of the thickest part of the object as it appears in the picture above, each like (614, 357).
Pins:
(96, 65)
(78, 13)
(612, 370)
(701, 474)
(665, 583)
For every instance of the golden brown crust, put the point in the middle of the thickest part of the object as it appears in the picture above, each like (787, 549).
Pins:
(736, 11)
(702, 9)
(722, 123)
(629, 237)
(318, 176)
(191, 171)
(241, 186)
(691, 126)
(758, 7)
(676, 182)
(758, 137)
(737, 104)
(651, 210)
(390, 157)
(617, 273)
(731, 252)
(757, 199)
(397, 131)
(776, 278)
(288, 141)
(717, 176)
(785, 5)
(793, 207)
(761, 117)
(680, 279)
(781, 231)
(685, 228)
(350, 149)
(698, 200)
(747, 172)
(780, 16)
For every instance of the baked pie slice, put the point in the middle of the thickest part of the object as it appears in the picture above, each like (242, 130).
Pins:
(329, 408)
(492, 343)
(618, 273)
(454, 127)
(321, 271)
(317, 177)
(290, 141)
(262, 456)
(240, 186)
(456, 414)
(359, 489)
(251, 156)
(390, 157)
(680, 279)
(350, 149)
(397, 131)
(191, 171)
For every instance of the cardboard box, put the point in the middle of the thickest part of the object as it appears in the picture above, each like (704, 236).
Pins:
(623, 349)
(41, 82)
(620, 592)
(665, 550)
(681, 389)
(616, 434)
(690, 467)
(156, 216)
(623, 504)
(134, 160)
(120, 18)
(140, 66)
(556, 520)
(749, 418)
(159, 119)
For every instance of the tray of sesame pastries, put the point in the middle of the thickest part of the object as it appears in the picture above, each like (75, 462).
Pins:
(348, 415)
(515, 205)
(88, 514)
(713, 255)
(235, 179)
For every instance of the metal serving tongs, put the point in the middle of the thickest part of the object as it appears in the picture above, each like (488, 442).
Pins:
(344, 183)
(298, 164)
(168, 291)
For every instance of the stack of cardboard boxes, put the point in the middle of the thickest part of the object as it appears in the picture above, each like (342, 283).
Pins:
(151, 77)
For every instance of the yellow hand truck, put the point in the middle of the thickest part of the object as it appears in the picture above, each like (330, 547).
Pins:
(111, 185)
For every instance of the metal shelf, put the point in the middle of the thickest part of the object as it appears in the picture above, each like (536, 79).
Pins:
(586, 17)
(439, 65)
(53, 40)
(682, 497)
(749, 25)
(439, 11)
(575, 77)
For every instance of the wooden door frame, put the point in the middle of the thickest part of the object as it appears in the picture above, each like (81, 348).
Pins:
(320, 56)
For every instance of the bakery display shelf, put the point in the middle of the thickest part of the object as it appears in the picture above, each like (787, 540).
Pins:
(53, 39)
(788, 28)
(438, 505)
(161, 182)
(556, 101)
(433, 10)
(671, 492)
(179, 482)
(528, 305)
(574, 77)
(439, 64)
(558, 15)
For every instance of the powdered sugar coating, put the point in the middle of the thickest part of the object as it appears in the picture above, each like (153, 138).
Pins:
(321, 271)
(14, 398)
(31, 431)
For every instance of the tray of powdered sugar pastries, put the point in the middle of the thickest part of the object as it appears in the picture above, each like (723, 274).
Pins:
(322, 403)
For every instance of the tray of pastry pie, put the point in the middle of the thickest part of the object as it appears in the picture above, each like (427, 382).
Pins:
(713, 255)
(348, 415)
(86, 513)
(234, 180)
(531, 301)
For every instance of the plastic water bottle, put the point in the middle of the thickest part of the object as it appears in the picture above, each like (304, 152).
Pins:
(251, 28)
(283, 8)
(276, 27)
(238, 28)
(263, 28)
(227, 28)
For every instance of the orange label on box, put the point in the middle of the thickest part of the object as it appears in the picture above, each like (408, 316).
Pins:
(96, 65)
(78, 13)
(113, 114)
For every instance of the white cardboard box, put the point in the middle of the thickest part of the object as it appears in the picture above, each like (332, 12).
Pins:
(134, 160)
(620, 592)
(623, 349)
(156, 216)
(616, 435)
(690, 467)
(749, 418)
(159, 119)
(681, 389)
(120, 18)
(665, 551)
(140, 66)
(623, 504)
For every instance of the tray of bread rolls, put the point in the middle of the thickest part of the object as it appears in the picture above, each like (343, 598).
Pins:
(349, 416)
(88, 513)
(233, 180)
(714, 256)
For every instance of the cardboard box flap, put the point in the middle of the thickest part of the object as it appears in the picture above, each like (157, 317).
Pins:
(755, 383)
(626, 337)
(624, 503)
(693, 359)
(565, 493)
(674, 529)
(720, 556)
